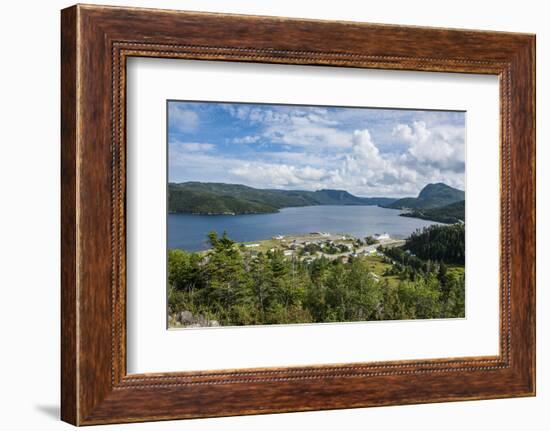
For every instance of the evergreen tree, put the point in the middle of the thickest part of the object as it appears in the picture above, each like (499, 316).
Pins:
(237, 287)
(225, 274)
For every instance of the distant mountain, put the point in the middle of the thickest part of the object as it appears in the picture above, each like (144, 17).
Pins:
(341, 197)
(452, 213)
(220, 198)
(431, 196)
(377, 201)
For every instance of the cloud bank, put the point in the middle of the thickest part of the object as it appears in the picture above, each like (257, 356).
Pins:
(369, 152)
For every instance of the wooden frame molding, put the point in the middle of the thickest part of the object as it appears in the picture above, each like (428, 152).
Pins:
(95, 43)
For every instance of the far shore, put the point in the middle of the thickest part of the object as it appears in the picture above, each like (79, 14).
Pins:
(230, 213)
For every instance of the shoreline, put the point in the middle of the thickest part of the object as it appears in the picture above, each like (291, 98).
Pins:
(189, 232)
(233, 214)
(317, 244)
(278, 210)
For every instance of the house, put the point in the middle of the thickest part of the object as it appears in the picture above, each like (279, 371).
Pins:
(384, 235)
(320, 233)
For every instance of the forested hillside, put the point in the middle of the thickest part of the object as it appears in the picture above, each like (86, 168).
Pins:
(204, 202)
(230, 285)
(446, 243)
(452, 213)
(431, 196)
(220, 198)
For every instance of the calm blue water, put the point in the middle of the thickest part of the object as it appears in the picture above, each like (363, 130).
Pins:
(189, 232)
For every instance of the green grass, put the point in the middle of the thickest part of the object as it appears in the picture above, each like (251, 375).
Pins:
(379, 267)
(265, 245)
(376, 263)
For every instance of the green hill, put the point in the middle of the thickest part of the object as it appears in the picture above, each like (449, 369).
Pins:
(194, 202)
(431, 196)
(452, 213)
(220, 198)
(341, 197)
(438, 243)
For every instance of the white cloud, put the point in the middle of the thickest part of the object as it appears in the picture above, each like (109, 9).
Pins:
(183, 120)
(256, 114)
(313, 154)
(193, 147)
(249, 139)
(307, 131)
(296, 127)
(301, 158)
(368, 170)
(308, 173)
(362, 169)
(277, 175)
(364, 148)
(441, 147)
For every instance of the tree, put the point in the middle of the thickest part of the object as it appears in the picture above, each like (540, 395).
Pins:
(454, 305)
(439, 243)
(225, 275)
(235, 286)
(420, 300)
(391, 306)
(338, 300)
(442, 277)
(369, 240)
(365, 291)
(260, 277)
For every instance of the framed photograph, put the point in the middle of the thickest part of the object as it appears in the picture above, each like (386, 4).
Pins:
(264, 214)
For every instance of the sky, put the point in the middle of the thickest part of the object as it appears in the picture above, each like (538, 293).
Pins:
(366, 151)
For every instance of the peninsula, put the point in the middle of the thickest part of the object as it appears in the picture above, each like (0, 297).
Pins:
(437, 202)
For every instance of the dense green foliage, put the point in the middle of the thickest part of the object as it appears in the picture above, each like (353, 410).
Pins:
(190, 201)
(219, 198)
(452, 213)
(233, 287)
(445, 243)
(431, 196)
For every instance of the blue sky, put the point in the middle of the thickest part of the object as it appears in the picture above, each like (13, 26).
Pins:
(366, 151)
